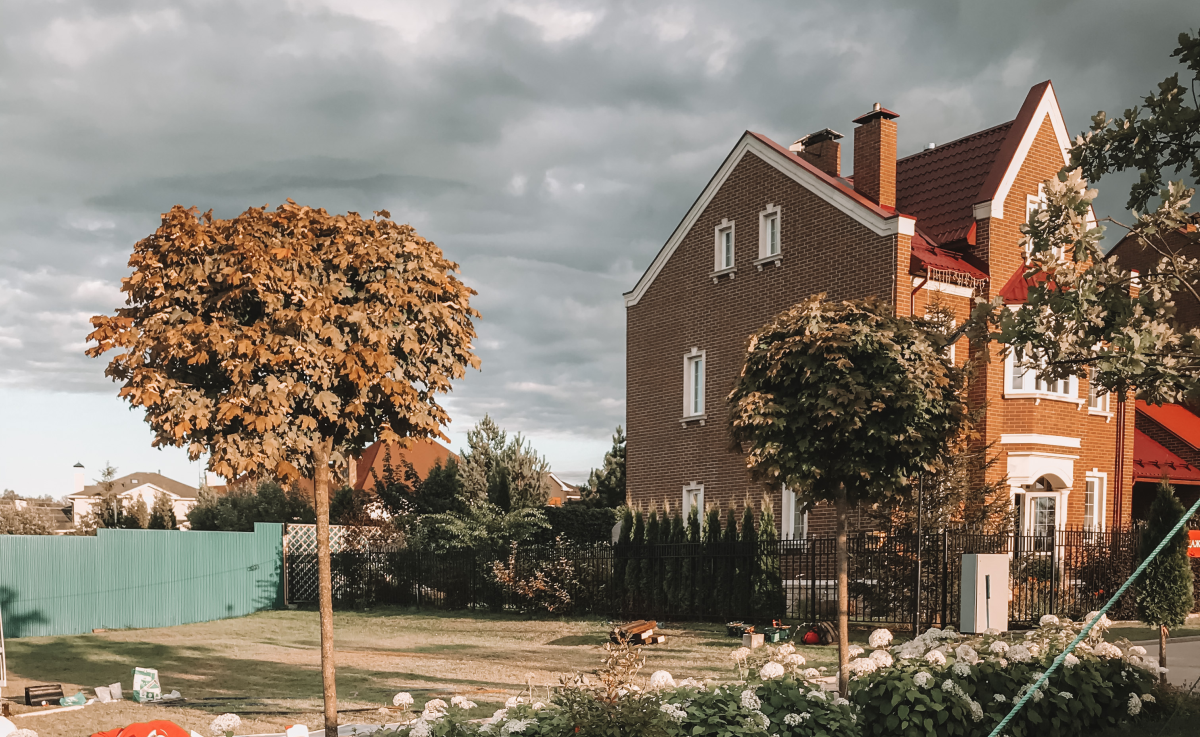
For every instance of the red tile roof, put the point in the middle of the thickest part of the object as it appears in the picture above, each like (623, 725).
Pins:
(1152, 461)
(423, 455)
(939, 186)
(1016, 290)
(926, 257)
(1176, 418)
(1012, 141)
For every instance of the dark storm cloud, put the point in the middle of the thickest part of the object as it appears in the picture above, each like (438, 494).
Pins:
(549, 148)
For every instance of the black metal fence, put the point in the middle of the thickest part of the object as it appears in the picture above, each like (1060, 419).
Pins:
(1069, 574)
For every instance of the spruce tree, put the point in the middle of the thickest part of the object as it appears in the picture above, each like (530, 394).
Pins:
(767, 599)
(1164, 594)
(747, 551)
(633, 573)
(621, 560)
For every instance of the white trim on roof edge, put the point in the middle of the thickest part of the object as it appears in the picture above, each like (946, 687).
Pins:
(893, 225)
(1048, 105)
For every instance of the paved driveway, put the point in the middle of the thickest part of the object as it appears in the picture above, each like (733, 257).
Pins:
(1183, 659)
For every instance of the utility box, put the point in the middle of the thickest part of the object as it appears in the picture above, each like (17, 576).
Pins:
(985, 593)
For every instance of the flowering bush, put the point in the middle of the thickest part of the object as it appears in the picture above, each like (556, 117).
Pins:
(225, 725)
(964, 686)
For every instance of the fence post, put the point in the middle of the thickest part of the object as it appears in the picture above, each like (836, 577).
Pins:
(945, 575)
(1056, 540)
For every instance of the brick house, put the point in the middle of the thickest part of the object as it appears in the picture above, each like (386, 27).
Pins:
(776, 224)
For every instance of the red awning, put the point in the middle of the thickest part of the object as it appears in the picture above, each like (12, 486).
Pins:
(1176, 418)
(1151, 462)
(927, 257)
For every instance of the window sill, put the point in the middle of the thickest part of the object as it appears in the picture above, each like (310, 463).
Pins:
(716, 275)
(1100, 413)
(777, 259)
(1039, 396)
(693, 418)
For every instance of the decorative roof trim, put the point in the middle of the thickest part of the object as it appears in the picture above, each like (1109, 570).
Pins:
(879, 221)
(1039, 103)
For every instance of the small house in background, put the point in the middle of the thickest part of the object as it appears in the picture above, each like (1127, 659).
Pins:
(131, 487)
(1166, 444)
(422, 454)
(559, 492)
(55, 514)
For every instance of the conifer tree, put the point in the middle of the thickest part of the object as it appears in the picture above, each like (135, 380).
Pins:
(747, 551)
(633, 573)
(692, 595)
(727, 567)
(162, 514)
(767, 599)
(673, 583)
(712, 550)
(1164, 594)
(651, 575)
(620, 592)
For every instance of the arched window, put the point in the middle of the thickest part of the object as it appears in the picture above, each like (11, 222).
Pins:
(1043, 484)
(1043, 511)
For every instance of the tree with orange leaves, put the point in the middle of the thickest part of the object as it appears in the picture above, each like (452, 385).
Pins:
(281, 341)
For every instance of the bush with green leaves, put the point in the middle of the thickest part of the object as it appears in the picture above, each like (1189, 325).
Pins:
(944, 684)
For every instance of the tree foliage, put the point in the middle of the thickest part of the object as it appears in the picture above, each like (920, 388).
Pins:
(605, 486)
(845, 396)
(22, 521)
(264, 336)
(1164, 592)
(239, 508)
(506, 473)
(162, 514)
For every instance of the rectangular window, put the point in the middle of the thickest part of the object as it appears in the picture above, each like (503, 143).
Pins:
(1023, 379)
(1018, 374)
(1089, 503)
(772, 235)
(1044, 508)
(693, 384)
(727, 248)
(693, 498)
(1096, 400)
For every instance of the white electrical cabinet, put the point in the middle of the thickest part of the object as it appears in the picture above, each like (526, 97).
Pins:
(985, 593)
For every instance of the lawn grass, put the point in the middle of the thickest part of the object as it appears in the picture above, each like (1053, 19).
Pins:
(273, 658)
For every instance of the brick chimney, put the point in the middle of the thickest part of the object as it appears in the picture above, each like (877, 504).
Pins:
(822, 150)
(875, 156)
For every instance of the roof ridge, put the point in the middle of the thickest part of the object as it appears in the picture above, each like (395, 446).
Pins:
(965, 138)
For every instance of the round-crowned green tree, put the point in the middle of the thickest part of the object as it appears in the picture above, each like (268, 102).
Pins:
(1164, 594)
(845, 402)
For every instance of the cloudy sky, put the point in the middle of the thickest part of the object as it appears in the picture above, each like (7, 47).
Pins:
(549, 148)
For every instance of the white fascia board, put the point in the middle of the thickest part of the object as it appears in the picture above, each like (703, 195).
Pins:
(1038, 439)
(893, 225)
(1048, 105)
(941, 286)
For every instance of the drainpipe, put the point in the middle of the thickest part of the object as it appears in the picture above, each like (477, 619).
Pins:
(912, 297)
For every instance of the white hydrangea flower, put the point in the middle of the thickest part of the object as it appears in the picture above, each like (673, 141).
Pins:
(1034, 649)
(1037, 696)
(999, 647)
(882, 658)
(794, 659)
(1148, 698)
(225, 724)
(950, 687)
(763, 719)
(861, 667)
(810, 673)
(856, 650)
(512, 701)
(786, 648)
(750, 700)
(23, 733)
(817, 694)
(967, 654)
(740, 654)
(1137, 650)
(1066, 695)
(499, 715)
(962, 670)
(420, 728)
(673, 712)
(1070, 661)
(1000, 698)
(1047, 619)
(1107, 650)
(922, 678)
(935, 657)
(1135, 705)
(976, 711)
(661, 679)
(793, 720)
(991, 632)
(403, 698)
(839, 701)
(932, 633)
(880, 638)
(1019, 653)
(771, 670)
(538, 706)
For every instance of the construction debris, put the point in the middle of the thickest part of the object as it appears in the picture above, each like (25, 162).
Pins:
(44, 695)
(640, 632)
(145, 685)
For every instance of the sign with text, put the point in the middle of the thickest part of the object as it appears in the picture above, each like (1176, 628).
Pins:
(1194, 543)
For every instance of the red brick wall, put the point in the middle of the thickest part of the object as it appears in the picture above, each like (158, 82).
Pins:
(822, 250)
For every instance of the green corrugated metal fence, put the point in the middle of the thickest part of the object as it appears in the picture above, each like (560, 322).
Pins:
(137, 578)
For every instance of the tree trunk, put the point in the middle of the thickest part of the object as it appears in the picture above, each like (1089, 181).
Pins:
(843, 594)
(1162, 651)
(321, 453)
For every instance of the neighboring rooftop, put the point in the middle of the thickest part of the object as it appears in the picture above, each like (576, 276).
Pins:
(141, 478)
(1152, 462)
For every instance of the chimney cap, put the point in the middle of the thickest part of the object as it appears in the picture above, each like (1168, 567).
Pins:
(877, 111)
(78, 465)
(812, 139)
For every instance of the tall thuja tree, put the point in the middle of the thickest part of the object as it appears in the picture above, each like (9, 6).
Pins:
(743, 585)
(651, 575)
(162, 513)
(845, 402)
(767, 600)
(279, 342)
(633, 572)
(673, 582)
(620, 591)
(691, 583)
(1164, 594)
(727, 568)
(712, 560)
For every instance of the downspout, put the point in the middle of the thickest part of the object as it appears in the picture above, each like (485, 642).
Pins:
(912, 298)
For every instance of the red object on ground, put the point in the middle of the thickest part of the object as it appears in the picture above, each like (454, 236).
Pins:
(811, 638)
(1194, 543)
(157, 728)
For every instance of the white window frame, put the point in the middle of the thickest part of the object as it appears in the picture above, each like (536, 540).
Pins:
(788, 529)
(771, 214)
(1031, 384)
(693, 494)
(1033, 203)
(720, 266)
(1028, 494)
(1097, 403)
(692, 397)
(1100, 479)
